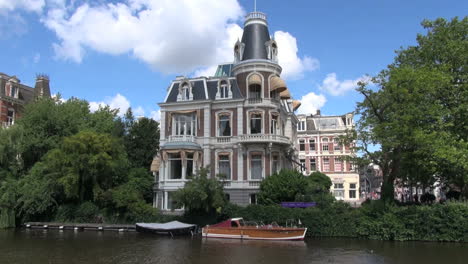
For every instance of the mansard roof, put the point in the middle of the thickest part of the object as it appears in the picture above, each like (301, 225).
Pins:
(199, 88)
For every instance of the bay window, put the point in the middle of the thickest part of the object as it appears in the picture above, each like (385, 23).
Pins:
(274, 163)
(185, 125)
(175, 166)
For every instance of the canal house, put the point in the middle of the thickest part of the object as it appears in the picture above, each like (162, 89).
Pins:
(239, 123)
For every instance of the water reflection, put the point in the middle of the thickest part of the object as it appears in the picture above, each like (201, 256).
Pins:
(54, 246)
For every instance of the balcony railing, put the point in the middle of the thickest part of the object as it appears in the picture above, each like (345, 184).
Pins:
(264, 138)
(255, 183)
(181, 138)
(255, 100)
(223, 139)
(255, 15)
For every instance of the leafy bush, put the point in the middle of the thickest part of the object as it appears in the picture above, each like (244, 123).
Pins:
(374, 220)
(283, 186)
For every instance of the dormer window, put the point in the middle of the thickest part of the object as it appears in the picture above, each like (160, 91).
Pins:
(11, 90)
(185, 92)
(224, 90)
(238, 51)
(272, 50)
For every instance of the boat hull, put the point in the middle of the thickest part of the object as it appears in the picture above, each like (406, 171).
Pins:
(255, 233)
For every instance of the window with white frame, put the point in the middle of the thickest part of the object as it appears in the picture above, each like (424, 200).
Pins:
(13, 91)
(313, 164)
(338, 163)
(324, 144)
(326, 164)
(184, 92)
(189, 166)
(336, 144)
(338, 191)
(224, 166)
(171, 204)
(253, 198)
(274, 163)
(303, 164)
(10, 117)
(185, 125)
(175, 166)
(311, 144)
(301, 144)
(224, 125)
(352, 190)
(274, 124)
(223, 90)
(256, 123)
(255, 91)
(301, 126)
(256, 167)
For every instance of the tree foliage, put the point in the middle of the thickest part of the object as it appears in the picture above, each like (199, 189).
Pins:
(201, 194)
(62, 161)
(415, 110)
(283, 186)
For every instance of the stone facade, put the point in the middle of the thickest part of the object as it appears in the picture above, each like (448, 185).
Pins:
(239, 123)
(320, 150)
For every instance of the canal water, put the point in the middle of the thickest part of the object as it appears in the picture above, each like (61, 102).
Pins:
(54, 246)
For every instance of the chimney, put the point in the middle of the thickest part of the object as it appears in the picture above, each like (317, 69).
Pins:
(42, 87)
(318, 112)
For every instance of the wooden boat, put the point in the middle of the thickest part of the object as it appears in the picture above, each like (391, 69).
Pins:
(236, 228)
(170, 228)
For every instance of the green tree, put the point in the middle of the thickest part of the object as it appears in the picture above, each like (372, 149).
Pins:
(87, 164)
(142, 142)
(417, 111)
(283, 186)
(201, 194)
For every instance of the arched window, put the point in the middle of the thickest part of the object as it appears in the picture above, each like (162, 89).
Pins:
(255, 86)
(224, 125)
(185, 92)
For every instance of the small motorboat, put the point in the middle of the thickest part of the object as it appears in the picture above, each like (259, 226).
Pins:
(171, 228)
(236, 228)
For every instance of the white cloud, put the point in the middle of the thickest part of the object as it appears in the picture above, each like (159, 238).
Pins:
(139, 111)
(168, 35)
(117, 102)
(156, 115)
(37, 58)
(28, 5)
(293, 66)
(311, 102)
(336, 87)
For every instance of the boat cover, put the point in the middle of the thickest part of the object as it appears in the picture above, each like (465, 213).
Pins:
(165, 226)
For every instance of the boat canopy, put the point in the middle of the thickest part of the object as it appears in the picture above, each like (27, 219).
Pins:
(165, 226)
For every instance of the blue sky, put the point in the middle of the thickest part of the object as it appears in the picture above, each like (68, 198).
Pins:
(126, 52)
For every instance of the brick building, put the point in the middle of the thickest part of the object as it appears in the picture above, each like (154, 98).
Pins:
(14, 96)
(240, 122)
(320, 150)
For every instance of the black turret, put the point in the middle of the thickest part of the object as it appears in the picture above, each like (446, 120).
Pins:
(256, 42)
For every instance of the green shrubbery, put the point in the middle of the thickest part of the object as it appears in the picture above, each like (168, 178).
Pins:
(375, 220)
